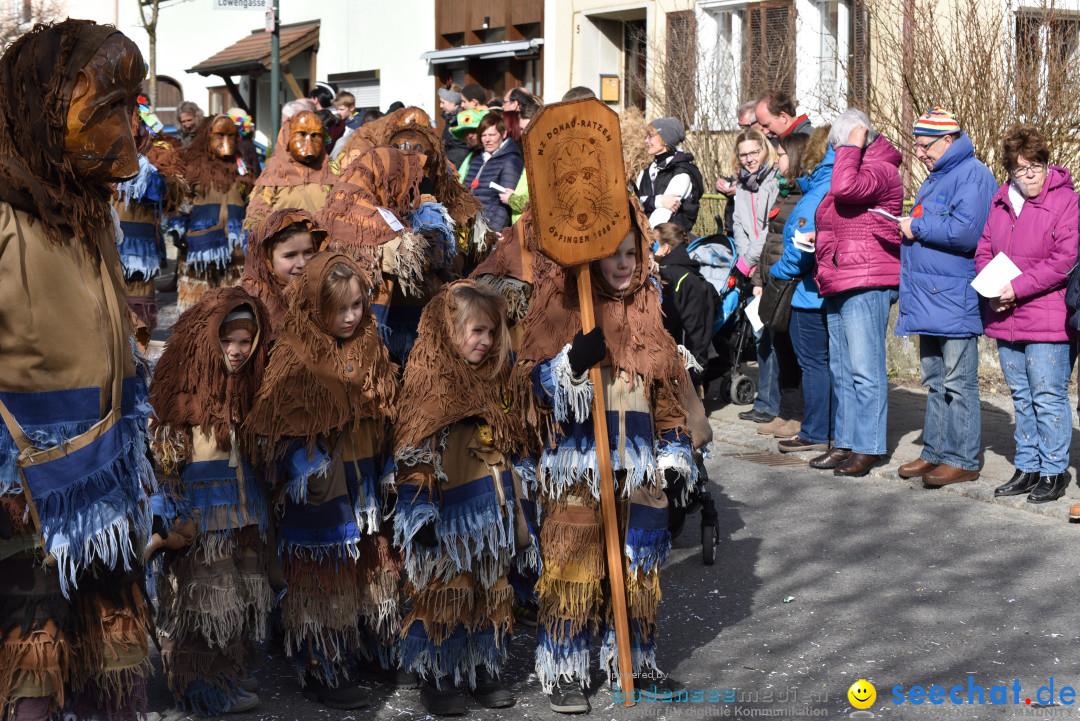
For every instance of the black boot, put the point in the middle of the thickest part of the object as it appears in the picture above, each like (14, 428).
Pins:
(445, 701)
(1049, 488)
(345, 696)
(567, 697)
(490, 691)
(1021, 482)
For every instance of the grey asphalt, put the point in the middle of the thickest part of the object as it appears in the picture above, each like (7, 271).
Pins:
(885, 580)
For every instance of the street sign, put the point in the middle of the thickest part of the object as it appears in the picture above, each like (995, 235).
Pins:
(243, 5)
(577, 181)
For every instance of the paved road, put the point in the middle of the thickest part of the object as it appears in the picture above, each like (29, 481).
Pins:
(887, 581)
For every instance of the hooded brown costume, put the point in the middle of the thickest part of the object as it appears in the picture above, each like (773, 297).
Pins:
(214, 594)
(215, 227)
(508, 270)
(647, 427)
(377, 215)
(378, 132)
(322, 416)
(288, 183)
(453, 444)
(79, 623)
(259, 278)
(142, 204)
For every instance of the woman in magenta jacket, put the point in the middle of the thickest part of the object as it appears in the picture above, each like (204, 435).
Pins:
(1033, 221)
(858, 272)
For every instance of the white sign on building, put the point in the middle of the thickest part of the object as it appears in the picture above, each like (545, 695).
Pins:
(244, 5)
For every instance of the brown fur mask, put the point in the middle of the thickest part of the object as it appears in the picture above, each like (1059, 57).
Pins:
(192, 385)
(282, 170)
(310, 390)
(460, 203)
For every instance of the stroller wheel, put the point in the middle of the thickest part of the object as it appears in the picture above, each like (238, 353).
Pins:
(709, 541)
(743, 390)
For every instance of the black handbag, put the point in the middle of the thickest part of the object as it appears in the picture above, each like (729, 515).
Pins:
(775, 305)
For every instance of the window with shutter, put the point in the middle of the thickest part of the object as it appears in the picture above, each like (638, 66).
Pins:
(859, 56)
(768, 48)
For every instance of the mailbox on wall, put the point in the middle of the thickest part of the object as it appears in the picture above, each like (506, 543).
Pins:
(609, 88)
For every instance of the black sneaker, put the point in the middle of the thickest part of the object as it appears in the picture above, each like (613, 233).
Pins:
(663, 688)
(374, 672)
(248, 683)
(243, 703)
(445, 701)
(490, 691)
(345, 696)
(755, 416)
(567, 697)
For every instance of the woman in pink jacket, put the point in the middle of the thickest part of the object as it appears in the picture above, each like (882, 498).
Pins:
(1033, 221)
(858, 273)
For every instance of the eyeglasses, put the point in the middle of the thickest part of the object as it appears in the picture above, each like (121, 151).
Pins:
(746, 126)
(748, 156)
(1028, 171)
(926, 146)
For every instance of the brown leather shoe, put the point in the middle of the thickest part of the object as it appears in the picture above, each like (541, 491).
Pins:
(945, 474)
(797, 444)
(830, 459)
(856, 465)
(1074, 511)
(916, 468)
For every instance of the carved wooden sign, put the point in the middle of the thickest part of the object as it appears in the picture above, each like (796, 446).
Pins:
(577, 181)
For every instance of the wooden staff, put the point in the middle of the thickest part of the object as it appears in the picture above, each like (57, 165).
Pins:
(612, 540)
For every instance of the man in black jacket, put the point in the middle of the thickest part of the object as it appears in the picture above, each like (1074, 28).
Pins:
(689, 301)
(450, 104)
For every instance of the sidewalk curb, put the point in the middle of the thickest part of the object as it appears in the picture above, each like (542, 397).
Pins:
(982, 489)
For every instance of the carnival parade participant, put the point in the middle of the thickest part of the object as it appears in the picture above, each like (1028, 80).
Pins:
(320, 421)
(214, 596)
(73, 612)
(214, 232)
(456, 510)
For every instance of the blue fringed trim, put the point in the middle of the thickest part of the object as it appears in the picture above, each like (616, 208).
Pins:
(412, 510)
(456, 657)
(332, 671)
(647, 550)
(434, 216)
(303, 464)
(364, 489)
(209, 699)
(568, 661)
(177, 224)
(148, 186)
(554, 383)
(472, 524)
(526, 468)
(139, 250)
(211, 488)
(642, 651)
(573, 460)
(326, 531)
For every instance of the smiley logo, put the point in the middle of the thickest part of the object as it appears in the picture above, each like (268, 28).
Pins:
(862, 694)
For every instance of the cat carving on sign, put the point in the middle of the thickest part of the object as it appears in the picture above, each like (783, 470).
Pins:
(582, 192)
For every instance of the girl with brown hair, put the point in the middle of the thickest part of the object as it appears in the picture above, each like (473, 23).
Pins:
(319, 422)
(457, 519)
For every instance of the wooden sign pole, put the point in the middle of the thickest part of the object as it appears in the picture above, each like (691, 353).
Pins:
(612, 538)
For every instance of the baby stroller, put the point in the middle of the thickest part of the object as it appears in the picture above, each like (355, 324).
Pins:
(700, 499)
(733, 334)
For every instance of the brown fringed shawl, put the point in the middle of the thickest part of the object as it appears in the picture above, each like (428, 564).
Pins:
(259, 278)
(203, 169)
(282, 171)
(37, 77)
(314, 384)
(637, 342)
(441, 388)
(460, 203)
(508, 269)
(166, 154)
(192, 385)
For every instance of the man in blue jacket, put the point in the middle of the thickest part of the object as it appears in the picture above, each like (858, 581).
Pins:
(936, 298)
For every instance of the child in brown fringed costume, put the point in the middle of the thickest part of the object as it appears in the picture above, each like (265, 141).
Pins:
(456, 517)
(407, 253)
(650, 454)
(213, 595)
(214, 230)
(277, 252)
(321, 418)
(298, 174)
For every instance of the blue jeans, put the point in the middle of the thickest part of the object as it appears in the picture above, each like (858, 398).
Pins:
(857, 323)
(1038, 376)
(768, 386)
(953, 427)
(810, 336)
